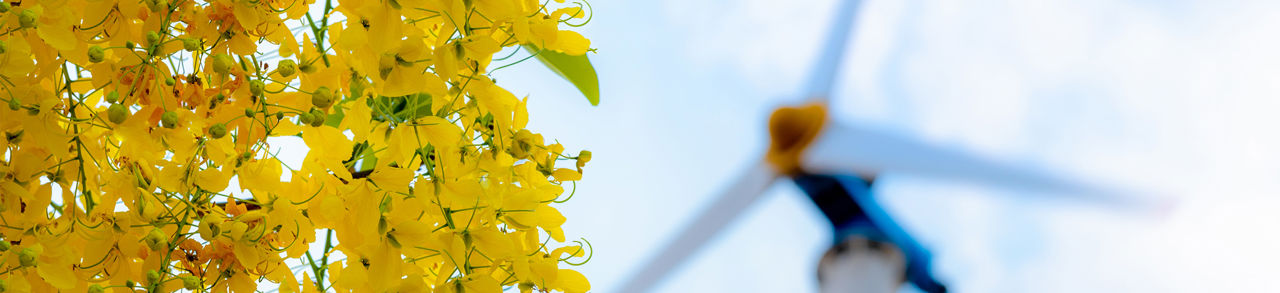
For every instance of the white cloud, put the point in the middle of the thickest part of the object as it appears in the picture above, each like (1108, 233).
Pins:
(770, 43)
(1177, 97)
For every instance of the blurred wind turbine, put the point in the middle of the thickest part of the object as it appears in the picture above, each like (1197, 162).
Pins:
(835, 165)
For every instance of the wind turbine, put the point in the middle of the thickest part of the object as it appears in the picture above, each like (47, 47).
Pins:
(835, 165)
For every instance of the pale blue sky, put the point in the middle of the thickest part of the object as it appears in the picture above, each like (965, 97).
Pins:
(1177, 97)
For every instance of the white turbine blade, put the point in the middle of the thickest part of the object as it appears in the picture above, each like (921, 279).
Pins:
(844, 148)
(825, 69)
(741, 193)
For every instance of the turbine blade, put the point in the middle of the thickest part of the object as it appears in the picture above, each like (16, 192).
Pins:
(843, 148)
(741, 193)
(825, 69)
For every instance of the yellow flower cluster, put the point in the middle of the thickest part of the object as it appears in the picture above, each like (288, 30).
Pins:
(136, 156)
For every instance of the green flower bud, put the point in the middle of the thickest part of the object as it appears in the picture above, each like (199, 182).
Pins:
(218, 130)
(305, 119)
(191, 44)
(96, 289)
(190, 282)
(256, 87)
(27, 18)
(169, 119)
(322, 97)
(222, 63)
(27, 257)
(4, 6)
(14, 104)
(113, 96)
(129, 284)
(129, 45)
(279, 115)
(156, 240)
(249, 112)
(153, 38)
(169, 81)
(317, 117)
(5, 245)
(286, 67)
(96, 54)
(4, 47)
(153, 277)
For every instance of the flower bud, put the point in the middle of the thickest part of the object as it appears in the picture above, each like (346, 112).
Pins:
(256, 87)
(322, 97)
(27, 257)
(218, 130)
(249, 112)
(5, 6)
(317, 117)
(304, 118)
(96, 54)
(96, 289)
(169, 119)
(286, 67)
(113, 96)
(156, 240)
(129, 45)
(153, 277)
(4, 46)
(222, 63)
(5, 245)
(14, 104)
(153, 38)
(169, 81)
(129, 284)
(27, 18)
(117, 113)
(191, 44)
(190, 282)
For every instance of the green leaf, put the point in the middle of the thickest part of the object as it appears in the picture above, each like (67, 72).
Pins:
(415, 106)
(335, 119)
(575, 69)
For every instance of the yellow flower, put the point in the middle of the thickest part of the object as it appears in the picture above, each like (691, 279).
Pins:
(418, 166)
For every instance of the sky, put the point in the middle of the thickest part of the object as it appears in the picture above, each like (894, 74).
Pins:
(1176, 98)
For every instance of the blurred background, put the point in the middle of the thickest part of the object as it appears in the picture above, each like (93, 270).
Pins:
(1174, 97)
